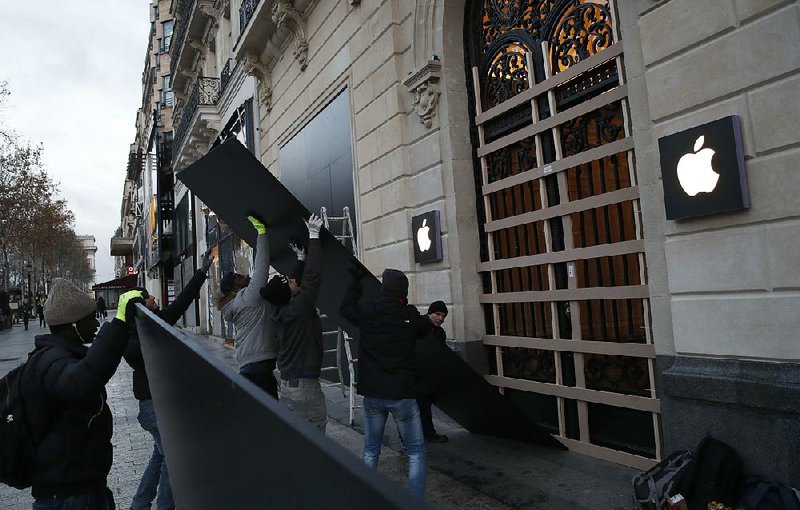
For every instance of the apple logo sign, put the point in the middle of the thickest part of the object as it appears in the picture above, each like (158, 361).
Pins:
(423, 237)
(695, 173)
(703, 170)
(426, 237)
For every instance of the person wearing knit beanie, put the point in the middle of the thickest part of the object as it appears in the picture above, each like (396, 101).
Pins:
(437, 312)
(66, 303)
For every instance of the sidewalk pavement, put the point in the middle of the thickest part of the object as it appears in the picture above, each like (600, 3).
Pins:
(469, 472)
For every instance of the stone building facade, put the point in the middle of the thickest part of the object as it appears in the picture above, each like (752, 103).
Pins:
(533, 128)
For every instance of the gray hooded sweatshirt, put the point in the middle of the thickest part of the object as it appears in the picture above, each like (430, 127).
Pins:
(250, 313)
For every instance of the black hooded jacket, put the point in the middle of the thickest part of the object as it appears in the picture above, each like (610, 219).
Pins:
(170, 315)
(389, 330)
(64, 391)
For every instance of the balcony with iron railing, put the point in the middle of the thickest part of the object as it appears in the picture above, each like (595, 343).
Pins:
(198, 114)
(258, 25)
(225, 75)
(184, 10)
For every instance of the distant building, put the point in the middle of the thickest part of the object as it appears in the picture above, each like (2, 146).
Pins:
(90, 249)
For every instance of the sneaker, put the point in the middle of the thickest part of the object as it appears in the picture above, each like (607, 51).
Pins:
(436, 438)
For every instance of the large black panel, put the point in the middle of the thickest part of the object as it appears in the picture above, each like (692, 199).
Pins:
(230, 445)
(458, 390)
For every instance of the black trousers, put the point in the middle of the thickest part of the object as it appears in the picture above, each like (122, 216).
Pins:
(425, 415)
(260, 374)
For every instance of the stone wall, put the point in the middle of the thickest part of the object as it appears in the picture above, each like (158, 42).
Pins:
(723, 287)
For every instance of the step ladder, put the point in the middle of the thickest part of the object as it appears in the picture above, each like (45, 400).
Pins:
(342, 338)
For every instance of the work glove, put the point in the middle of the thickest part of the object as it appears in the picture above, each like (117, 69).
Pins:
(298, 250)
(314, 224)
(258, 224)
(206, 262)
(125, 308)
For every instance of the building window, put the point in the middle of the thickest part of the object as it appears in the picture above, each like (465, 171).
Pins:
(166, 37)
(166, 92)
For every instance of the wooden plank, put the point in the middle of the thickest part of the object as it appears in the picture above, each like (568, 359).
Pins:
(591, 252)
(615, 456)
(557, 119)
(583, 346)
(560, 165)
(563, 209)
(533, 296)
(586, 395)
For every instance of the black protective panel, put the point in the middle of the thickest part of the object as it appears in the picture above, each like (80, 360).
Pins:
(232, 182)
(466, 397)
(458, 390)
(230, 445)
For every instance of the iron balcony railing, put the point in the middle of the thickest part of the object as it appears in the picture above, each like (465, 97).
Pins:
(225, 75)
(205, 92)
(246, 12)
(183, 12)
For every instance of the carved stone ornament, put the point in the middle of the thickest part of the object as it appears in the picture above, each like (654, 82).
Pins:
(284, 14)
(254, 65)
(424, 86)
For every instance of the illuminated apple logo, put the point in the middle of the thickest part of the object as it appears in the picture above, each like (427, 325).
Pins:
(423, 240)
(695, 172)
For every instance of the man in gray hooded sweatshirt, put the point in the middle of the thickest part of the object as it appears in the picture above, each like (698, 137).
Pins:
(241, 304)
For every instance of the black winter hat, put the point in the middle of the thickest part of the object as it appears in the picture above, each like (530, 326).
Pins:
(437, 307)
(395, 283)
(276, 292)
(227, 282)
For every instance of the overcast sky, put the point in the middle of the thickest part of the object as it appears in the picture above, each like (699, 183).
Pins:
(74, 70)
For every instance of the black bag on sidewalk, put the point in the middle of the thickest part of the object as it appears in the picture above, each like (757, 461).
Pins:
(762, 493)
(652, 488)
(17, 444)
(716, 475)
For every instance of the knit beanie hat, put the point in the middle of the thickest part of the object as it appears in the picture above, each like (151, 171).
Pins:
(395, 283)
(227, 282)
(437, 307)
(276, 292)
(66, 303)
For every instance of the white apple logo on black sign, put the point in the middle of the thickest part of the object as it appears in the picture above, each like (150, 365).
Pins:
(695, 173)
(423, 240)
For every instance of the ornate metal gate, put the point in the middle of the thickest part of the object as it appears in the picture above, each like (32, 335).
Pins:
(565, 288)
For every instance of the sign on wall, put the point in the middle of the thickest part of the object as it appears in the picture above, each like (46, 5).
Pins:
(703, 170)
(427, 232)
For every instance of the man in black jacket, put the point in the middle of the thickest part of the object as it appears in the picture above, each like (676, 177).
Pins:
(66, 409)
(299, 332)
(437, 312)
(155, 475)
(386, 370)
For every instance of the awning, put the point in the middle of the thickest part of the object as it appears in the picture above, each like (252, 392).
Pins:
(126, 282)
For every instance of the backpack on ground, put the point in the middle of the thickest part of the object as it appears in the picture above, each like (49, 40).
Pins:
(762, 493)
(17, 445)
(716, 475)
(653, 488)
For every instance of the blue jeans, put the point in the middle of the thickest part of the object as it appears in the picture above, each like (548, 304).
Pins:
(406, 415)
(95, 501)
(155, 475)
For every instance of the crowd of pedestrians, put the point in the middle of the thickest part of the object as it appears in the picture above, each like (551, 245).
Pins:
(278, 341)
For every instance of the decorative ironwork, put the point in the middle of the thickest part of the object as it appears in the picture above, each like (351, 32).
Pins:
(511, 160)
(620, 374)
(225, 75)
(602, 126)
(587, 85)
(531, 364)
(246, 11)
(182, 14)
(507, 75)
(205, 91)
(584, 30)
(501, 17)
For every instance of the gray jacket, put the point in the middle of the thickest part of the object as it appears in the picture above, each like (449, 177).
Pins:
(250, 313)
